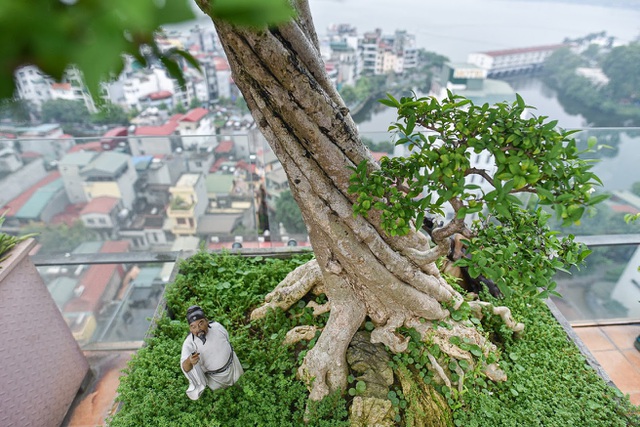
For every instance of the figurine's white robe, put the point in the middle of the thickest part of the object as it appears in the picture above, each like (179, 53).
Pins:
(215, 353)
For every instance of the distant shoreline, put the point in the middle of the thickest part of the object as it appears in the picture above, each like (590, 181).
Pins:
(620, 4)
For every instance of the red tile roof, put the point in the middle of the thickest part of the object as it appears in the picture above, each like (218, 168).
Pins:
(378, 155)
(164, 130)
(31, 155)
(115, 246)
(69, 216)
(224, 147)
(163, 94)
(13, 206)
(221, 64)
(119, 131)
(523, 50)
(100, 205)
(625, 209)
(195, 115)
(95, 281)
(61, 86)
(216, 165)
(87, 146)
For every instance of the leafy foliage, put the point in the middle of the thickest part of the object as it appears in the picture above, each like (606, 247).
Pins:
(93, 35)
(531, 157)
(64, 111)
(65, 37)
(60, 238)
(8, 242)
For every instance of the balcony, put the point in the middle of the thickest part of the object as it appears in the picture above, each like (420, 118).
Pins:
(600, 301)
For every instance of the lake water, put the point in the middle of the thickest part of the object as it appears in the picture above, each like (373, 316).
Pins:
(456, 28)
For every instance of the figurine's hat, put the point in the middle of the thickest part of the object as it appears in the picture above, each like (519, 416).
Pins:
(194, 313)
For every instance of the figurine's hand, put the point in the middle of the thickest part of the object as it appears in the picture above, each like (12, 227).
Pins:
(194, 358)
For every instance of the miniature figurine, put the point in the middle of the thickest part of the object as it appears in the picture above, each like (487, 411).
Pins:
(207, 357)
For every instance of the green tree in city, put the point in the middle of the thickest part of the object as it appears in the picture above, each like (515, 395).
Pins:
(618, 65)
(64, 111)
(60, 238)
(18, 110)
(288, 213)
(110, 114)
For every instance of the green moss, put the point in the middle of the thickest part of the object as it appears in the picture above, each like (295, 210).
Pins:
(549, 382)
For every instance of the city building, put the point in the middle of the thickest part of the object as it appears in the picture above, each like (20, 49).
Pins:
(382, 54)
(34, 86)
(188, 203)
(511, 61)
(110, 174)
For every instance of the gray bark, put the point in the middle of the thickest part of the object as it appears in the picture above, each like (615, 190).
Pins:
(364, 272)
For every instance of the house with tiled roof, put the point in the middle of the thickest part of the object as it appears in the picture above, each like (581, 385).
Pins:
(224, 148)
(102, 215)
(110, 174)
(23, 197)
(97, 285)
(153, 140)
(45, 203)
(161, 99)
(197, 129)
(86, 146)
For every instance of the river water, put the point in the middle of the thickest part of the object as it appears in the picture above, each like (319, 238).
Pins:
(456, 28)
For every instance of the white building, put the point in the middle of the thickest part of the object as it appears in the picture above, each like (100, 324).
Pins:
(510, 61)
(36, 87)
(143, 83)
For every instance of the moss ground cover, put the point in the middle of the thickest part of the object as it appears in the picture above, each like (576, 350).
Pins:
(549, 383)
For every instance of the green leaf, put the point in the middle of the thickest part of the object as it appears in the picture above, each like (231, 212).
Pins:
(250, 13)
(390, 101)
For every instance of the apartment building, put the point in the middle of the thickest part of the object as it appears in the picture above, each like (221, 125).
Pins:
(382, 54)
(110, 174)
(188, 203)
(36, 87)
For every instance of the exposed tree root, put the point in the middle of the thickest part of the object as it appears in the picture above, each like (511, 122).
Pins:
(300, 333)
(298, 283)
(324, 368)
(503, 312)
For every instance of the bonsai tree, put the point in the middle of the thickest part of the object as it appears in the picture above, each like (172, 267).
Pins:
(379, 267)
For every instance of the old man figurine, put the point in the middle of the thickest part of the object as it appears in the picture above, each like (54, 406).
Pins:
(207, 357)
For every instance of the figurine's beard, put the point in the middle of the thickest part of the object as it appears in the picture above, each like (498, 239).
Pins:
(203, 336)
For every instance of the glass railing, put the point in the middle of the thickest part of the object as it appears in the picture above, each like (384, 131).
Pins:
(237, 186)
(605, 290)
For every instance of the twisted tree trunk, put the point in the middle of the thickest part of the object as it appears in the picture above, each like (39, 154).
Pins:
(363, 271)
